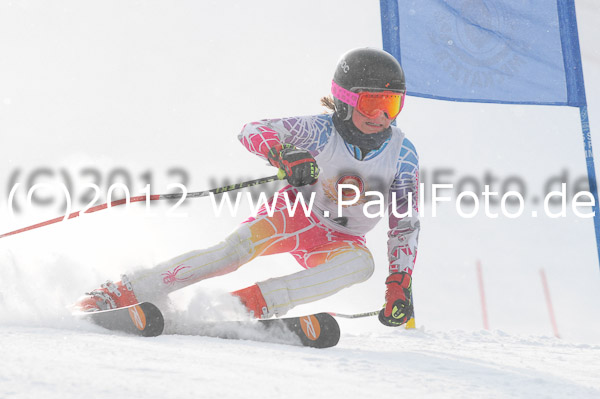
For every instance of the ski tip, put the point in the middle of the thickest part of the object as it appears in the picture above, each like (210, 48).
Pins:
(143, 319)
(154, 322)
(319, 330)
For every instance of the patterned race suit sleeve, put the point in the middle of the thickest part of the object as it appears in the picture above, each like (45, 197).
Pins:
(404, 231)
(307, 132)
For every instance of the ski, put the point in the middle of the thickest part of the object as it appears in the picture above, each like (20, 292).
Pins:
(143, 319)
(319, 330)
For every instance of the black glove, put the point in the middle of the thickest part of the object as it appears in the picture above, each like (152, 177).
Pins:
(299, 166)
(398, 308)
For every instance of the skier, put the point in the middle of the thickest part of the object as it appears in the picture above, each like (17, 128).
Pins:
(355, 146)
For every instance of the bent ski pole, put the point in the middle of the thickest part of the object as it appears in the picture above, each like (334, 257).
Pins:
(410, 324)
(220, 190)
(354, 316)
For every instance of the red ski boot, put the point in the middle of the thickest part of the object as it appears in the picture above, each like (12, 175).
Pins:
(108, 296)
(254, 301)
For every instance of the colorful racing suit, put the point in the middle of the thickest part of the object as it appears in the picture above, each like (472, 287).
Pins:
(351, 195)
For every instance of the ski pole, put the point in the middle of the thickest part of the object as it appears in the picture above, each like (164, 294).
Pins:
(410, 324)
(356, 315)
(279, 176)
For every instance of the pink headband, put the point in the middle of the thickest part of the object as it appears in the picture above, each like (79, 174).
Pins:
(344, 95)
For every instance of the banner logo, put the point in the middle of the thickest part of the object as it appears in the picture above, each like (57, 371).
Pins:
(471, 50)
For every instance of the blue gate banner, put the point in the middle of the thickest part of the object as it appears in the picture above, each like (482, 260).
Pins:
(499, 51)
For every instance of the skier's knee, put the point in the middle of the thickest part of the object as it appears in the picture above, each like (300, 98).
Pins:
(239, 245)
(359, 264)
(365, 265)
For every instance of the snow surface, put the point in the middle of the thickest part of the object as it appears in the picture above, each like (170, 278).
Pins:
(77, 363)
(150, 86)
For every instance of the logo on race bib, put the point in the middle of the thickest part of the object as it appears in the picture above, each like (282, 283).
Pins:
(348, 193)
(331, 189)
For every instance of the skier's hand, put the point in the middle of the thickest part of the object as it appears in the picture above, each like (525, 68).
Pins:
(398, 308)
(299, 166)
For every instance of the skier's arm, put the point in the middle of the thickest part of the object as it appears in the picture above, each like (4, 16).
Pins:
(404, 231)
(402, 239)
(309, 133)
(259, 137)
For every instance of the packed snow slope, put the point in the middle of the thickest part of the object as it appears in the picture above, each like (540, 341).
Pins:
(156, 92)
(67, 363)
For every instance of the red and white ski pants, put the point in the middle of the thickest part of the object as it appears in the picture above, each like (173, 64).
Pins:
(331, 260)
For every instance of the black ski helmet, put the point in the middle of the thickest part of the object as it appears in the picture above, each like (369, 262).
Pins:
(366, 69)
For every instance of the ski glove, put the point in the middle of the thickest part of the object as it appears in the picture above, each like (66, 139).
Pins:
(299, 166)
(398, 308)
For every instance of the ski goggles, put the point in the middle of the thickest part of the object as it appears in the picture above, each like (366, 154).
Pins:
(369, 103)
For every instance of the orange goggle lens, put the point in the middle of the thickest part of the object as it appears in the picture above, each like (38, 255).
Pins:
(370, 103)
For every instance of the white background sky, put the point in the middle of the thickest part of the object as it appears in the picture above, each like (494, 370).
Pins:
(148, 86)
